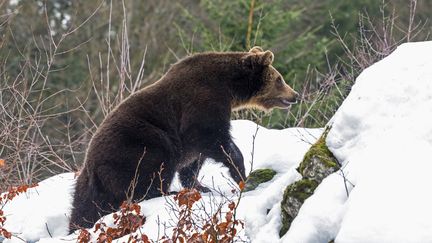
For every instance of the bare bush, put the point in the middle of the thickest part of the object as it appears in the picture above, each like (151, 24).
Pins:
(45, 130)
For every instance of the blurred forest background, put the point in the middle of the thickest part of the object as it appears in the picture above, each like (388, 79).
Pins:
(65, 64)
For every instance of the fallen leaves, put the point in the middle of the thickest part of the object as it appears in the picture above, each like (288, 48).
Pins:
(191, 228)
(127, 221)
(220, 226)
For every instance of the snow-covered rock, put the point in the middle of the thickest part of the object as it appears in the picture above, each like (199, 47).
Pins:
(317, 164)
(382, 134)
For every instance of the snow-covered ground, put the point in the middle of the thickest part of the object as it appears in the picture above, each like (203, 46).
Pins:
(382, 135)
(43, 212)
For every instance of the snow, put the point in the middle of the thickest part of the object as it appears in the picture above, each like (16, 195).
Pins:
(382, 135)
(42, 211)
(389, 202)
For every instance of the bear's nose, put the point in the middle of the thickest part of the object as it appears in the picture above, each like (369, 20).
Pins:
(296, 96)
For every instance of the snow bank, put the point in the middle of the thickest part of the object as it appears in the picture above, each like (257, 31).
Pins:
(41, 211)
(47, 207)
(382, 134)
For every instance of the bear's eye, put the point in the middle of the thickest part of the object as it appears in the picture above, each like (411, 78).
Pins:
(280, 81)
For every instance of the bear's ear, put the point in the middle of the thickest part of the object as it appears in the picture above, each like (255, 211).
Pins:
(266, 58)
(256, 49)
(258, 59)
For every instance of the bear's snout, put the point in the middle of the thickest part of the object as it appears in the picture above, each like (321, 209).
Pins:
(296, 97)
(292, 99)
(290, 95)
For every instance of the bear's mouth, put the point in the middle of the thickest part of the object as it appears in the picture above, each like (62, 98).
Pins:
(287, 102)
(284, 103)
(280, 103)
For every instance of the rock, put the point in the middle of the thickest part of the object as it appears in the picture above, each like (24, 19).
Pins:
(319, 161)
(294, 196)
(316, 165)
(257, 177)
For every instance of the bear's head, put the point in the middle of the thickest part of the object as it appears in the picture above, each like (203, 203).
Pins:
(270, 90)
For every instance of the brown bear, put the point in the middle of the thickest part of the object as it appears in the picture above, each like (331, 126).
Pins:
(172, 126)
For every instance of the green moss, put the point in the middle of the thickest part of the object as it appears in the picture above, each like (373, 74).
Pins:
(294, 196)
(318, 151)
(257, 177)
(301, 189)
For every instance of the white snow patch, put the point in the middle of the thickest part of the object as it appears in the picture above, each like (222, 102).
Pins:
(41, 211)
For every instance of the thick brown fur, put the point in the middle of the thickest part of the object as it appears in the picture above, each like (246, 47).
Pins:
(173, 125)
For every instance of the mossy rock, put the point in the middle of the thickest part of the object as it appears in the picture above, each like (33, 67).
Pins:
(316, 165)
(318, 162)
(257, 177)
(293, 198)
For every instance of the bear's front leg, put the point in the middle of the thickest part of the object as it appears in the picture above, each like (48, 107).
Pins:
(229, 154)
(234, 161)
(212, 139)
(188, 176)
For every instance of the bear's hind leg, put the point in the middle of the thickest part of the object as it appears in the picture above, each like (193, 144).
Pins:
(160, 183)
(89, 204)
